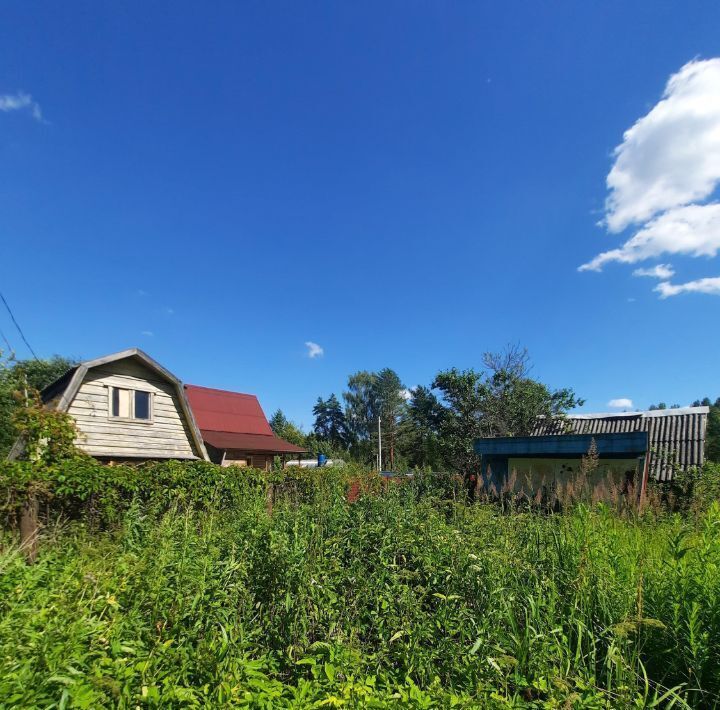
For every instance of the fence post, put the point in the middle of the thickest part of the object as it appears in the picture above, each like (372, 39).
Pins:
(29, 528)
(269, 497)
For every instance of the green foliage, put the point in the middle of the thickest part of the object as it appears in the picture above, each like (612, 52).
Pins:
(46, 434)
(502, 401)
(285, 429)
(18, 377)
(330, 423)
(690, 490)
(403, 599)
(712, 441)
(420, 430)
(371, 395)
(712, 438)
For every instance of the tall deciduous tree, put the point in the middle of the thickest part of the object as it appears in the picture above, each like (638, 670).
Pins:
(389, 393)
(502, 401)
(369, 396)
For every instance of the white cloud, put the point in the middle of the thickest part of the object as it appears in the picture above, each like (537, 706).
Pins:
(671, 156)
(665, 170)
(693, 230)
(660, 271)
(314, 350)
(147, 333)
(620, 403)
(406, 394)
(20, 101)
(708, 285)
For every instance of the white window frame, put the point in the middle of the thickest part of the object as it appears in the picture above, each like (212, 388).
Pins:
(131, 418)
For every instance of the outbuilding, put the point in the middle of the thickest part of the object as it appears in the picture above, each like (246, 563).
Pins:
(630, 447)
(235, 429)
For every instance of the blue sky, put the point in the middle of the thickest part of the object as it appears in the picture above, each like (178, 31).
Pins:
(403, 184)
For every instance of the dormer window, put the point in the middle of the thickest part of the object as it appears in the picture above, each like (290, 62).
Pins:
(130, 404)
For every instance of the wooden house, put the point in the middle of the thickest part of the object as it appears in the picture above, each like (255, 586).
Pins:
(127, 407)
(235, 429)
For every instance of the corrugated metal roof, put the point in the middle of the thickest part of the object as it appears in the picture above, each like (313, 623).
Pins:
(232, 420)
(250, 442)
(220, 410)
(677, 436)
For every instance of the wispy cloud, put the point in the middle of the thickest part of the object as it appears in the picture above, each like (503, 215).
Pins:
(664, 171)
(20, 101)
(708, 285)
(314, 350)
(693, 230)
(620, 403)
(660, 271)
(147, 333)
(168, 311)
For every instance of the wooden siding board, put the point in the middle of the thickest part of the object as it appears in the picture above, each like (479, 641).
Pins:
(167, 435)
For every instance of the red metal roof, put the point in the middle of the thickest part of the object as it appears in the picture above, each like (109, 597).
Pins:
(250, 442)
(232, 420)
(219, 410)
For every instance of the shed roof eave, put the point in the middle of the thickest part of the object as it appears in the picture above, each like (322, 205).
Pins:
(630, 443)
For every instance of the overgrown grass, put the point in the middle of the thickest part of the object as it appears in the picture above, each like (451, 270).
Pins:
(397, 600)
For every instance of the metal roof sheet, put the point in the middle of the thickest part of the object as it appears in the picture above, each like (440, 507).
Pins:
(250, 442)
(677, 436)
(233, 420)
(220, 410)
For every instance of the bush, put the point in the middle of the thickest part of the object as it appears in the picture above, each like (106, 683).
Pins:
(691, 490)
(198, 595)
(82, 486)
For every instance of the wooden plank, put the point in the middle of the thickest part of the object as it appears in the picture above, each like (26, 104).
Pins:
(112, 448)
(126, 433)
(111, 426)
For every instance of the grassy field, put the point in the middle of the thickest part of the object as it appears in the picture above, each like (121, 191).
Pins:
(398, 600)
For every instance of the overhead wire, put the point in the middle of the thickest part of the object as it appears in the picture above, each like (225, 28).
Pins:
(17, 325)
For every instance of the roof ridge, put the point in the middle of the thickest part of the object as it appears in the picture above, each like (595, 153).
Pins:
(216, 389)
(676, 411)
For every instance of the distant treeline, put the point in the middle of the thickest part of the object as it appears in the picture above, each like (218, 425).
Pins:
(430, 426)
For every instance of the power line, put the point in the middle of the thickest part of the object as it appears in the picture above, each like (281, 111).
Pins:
(7, 342)
(17, 325)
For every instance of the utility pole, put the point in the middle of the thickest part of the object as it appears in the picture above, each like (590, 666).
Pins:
(379, 447)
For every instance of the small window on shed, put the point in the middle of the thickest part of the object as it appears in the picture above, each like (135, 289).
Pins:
(130, 404)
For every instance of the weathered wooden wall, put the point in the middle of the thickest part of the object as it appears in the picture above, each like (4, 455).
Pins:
(234, 457)
(166, 436)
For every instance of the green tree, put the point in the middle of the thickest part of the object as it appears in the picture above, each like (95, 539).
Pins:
(420, 429)
(330, 423)
(360, 406)
(463, 393)
(18, 379)
(390, 399)
(369, 396)
(501, 401)
(286, 429)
